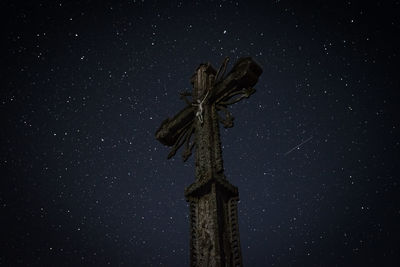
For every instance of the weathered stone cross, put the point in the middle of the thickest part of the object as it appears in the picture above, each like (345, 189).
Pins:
(214, 232)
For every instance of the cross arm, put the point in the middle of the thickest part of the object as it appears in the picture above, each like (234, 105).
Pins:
(171, 129)
(244, 74)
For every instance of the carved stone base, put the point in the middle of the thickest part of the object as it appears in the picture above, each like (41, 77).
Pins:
(214, 229)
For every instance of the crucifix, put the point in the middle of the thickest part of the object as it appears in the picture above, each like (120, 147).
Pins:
(214, 229)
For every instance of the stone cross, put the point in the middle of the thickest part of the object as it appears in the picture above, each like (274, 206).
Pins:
(214, 229)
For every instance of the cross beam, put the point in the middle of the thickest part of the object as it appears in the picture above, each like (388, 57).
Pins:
(244, 74)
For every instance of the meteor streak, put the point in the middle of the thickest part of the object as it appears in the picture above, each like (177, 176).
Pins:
(299, 145)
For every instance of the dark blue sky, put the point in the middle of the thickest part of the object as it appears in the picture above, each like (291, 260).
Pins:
(85, 85)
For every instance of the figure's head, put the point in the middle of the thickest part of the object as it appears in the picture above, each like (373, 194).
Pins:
(198, 101)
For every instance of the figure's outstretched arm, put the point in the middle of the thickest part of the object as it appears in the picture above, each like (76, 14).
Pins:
(202, 101)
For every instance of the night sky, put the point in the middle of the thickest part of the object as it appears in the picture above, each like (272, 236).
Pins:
(314, 152)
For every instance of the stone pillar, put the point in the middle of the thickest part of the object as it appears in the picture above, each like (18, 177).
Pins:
(214, 229)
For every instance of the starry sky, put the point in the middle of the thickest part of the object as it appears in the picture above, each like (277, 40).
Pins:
(314, 151)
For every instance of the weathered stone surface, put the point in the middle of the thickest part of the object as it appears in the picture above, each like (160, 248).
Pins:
(214, 224)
